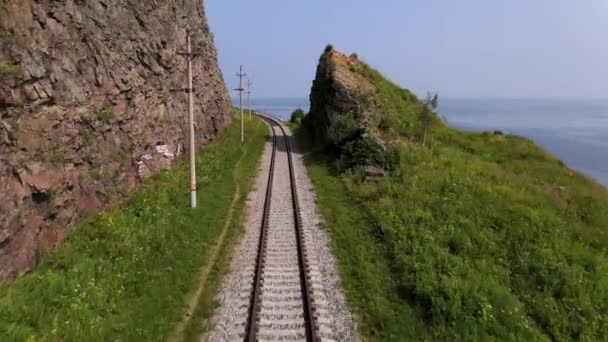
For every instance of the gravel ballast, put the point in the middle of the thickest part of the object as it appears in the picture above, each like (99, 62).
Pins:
(281, 316)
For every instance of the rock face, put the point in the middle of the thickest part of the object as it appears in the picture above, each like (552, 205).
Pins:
(373, 173)
(89, 108)
(338, 89)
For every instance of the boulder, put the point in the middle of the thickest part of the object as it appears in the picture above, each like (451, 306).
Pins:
(373, 173)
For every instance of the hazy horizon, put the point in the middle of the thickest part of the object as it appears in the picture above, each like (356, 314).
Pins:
(466, 49)
(235, 96)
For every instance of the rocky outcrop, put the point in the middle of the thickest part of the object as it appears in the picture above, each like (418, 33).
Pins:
(358, 116)
(339, 88)
(89, 107)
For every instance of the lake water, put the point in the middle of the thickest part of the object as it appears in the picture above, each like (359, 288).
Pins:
(575, 131)
(281, 108)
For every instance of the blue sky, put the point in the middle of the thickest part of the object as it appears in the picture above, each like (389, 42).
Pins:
(464, 48)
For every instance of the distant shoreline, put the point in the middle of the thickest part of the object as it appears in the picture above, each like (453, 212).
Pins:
(573, 130)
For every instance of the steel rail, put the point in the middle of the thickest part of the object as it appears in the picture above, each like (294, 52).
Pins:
(305, 280)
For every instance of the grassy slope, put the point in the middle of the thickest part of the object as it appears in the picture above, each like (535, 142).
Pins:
(364, 265)
(471, 238)
(123, 274)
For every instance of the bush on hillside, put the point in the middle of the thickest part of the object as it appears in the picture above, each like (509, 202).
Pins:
(384, 124)
(351, 149)
(297, 116)
(367, 151)
(342, 128)
(362, 151)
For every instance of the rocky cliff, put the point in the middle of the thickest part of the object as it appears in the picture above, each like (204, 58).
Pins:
(89, 108)
(338, 89)
(358, 115)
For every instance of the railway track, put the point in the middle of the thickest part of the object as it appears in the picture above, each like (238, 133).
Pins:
(282, 303)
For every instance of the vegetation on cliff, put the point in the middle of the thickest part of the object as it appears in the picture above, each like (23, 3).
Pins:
(124, 274)
(470, 236)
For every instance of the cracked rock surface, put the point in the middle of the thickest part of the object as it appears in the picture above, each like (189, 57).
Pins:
(89, 108)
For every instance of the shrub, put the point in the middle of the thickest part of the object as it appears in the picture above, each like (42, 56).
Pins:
(367, 151)
(391, 159)
(384, 124)
(344, 140)
(362, 151)
(105, 114)
(87, 134)
(297, 116)
(342, 128)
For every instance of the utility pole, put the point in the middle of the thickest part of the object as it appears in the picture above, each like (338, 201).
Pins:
(249, 84)
(240, 89)
(189, 57)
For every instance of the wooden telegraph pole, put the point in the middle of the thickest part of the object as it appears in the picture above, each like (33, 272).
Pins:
(249, 84)
(189, 55)
(240, 89)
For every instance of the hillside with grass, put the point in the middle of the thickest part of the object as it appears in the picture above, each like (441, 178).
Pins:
(469, 236)
(130, 273)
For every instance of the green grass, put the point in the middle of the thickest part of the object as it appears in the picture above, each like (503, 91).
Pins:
(124, 274)
(199, 323)
(475, 236)
(399, 107)
(364, 265)
(105, 114)
(207, 304)
(7, 69)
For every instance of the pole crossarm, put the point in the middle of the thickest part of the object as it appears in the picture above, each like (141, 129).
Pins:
(189, 56)
(185, 90)
(249, 84)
